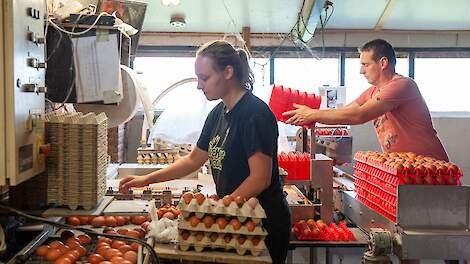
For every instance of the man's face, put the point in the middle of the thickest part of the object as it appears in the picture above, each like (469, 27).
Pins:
(369, 67)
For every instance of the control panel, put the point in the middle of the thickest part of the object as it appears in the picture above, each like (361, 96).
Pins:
(22, 87)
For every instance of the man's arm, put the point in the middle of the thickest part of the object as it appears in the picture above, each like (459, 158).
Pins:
(352, 114)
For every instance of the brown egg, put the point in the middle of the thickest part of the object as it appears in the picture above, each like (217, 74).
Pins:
(125, 248)
(133, 233)
(221, 222)
(255, 240)
(73, 220)
(227, 238)
(199, 198)
(214, 236)
(122, 231)
(185, 234)
(98, 221)
(73, 255)
(138, 219)
(118, 243)
(240, 201)
(250, 225)
(235, 223)
(187, 197)
(141, 231)
(193, 221)
(120, 220)
(175, 211)
(168, 215)
(131, 256)
(214, 197)
(63, 260)
(241, 239)
(73, 242)
(117, 260)
(227, 200)
(111, 253)
(42, 250)
(135, 246)
(84, 239)
(208, 221)
(102, 250)
(53, 254)
(199, 236)
(81, 250)
(106, 240)
(56, 244)
(145, 225)
(95, 259)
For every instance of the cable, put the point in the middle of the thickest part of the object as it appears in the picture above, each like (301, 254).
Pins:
(150, 249)
(77, 33)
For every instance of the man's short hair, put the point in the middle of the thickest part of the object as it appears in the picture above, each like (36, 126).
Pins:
(380, 48)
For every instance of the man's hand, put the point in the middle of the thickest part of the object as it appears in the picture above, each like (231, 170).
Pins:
(132, 181)
(302, 115)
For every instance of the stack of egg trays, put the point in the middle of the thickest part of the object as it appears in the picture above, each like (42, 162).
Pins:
(212, 207)
(78, 161)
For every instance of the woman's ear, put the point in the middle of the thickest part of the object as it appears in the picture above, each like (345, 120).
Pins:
(228, 72)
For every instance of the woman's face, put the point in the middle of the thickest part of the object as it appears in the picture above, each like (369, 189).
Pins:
(213, 83)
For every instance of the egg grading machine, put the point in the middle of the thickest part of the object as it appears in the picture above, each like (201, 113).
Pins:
(432, 221)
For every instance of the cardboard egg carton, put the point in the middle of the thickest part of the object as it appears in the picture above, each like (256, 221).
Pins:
(78, 161)
(259, 230)
(210, 206)
(220, 243)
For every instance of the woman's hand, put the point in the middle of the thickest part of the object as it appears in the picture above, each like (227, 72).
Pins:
(133, 181)
(302, 115)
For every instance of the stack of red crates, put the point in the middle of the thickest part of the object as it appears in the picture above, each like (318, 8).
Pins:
(379, 174)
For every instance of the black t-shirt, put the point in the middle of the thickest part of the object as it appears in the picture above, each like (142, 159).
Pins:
(230, 138)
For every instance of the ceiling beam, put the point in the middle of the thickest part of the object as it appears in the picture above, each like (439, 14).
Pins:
(309, 16)
(385, 15)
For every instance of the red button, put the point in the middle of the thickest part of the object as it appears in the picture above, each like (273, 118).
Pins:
(45, 149)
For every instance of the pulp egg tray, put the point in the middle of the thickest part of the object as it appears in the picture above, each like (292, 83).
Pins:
(259, 230)
(210, 206)
(199, 244)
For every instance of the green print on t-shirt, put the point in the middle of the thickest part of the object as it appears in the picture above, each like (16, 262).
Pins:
(216, 153)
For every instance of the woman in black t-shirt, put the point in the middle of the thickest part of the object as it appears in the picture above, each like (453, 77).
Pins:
(240, 140)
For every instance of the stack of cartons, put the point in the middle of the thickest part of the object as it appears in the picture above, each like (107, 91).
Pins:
(78, 160)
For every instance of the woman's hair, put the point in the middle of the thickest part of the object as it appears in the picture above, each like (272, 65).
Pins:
(224, 54)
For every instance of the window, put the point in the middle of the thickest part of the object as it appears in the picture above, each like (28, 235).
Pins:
(306, 74)
(356, 83)
(443, 83)
(261, 70)
(158, 73)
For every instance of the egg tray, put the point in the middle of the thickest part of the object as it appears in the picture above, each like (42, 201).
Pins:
(185, 225)
(219, 243)
(210, 206)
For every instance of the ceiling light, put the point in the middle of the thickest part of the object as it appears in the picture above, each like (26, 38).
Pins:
(177, 21)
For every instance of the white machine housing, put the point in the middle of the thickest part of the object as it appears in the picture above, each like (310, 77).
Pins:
(22, 72)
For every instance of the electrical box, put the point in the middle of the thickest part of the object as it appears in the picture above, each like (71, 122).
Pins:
(22, 90)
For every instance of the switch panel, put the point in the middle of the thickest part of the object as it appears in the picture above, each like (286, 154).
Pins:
(23, 72)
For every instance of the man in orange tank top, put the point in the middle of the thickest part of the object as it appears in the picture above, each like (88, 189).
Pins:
(401, 118)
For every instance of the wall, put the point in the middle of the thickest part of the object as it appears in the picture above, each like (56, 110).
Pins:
(454, 133)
